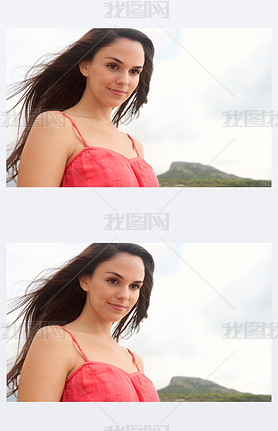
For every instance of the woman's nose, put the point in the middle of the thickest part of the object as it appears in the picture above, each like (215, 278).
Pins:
(123, 78)
(123, 292)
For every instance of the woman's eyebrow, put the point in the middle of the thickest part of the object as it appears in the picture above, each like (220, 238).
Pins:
(119, 61)
(120, 276)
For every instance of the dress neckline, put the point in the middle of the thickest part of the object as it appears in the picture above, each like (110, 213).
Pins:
(87, 361)
(103, 363)
(104, 149)
(91, 146)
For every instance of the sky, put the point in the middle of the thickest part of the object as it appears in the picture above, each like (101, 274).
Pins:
(198, 289)
(199, 75)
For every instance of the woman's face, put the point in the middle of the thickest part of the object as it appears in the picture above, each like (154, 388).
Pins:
(114, 287)
(113, 74)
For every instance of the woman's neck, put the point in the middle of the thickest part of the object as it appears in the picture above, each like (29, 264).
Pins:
(91, 325)
(89, 108)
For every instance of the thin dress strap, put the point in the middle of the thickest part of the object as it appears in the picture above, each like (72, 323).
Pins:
(134, 146)
(74, 339)
(133, 359)
(76, 128)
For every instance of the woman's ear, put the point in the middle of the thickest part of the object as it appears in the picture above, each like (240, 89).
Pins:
(83, 281)
(83, 67)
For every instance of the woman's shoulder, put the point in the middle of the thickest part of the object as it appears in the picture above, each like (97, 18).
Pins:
(54, 124)
(52, 335)
(50, 119)
(50, 132)
(54, 339)
(47, 363)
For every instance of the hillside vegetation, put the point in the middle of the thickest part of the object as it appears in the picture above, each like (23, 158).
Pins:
(184, 174)
(194, 389)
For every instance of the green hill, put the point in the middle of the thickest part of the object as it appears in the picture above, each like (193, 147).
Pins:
(185, 174)
(194, 389)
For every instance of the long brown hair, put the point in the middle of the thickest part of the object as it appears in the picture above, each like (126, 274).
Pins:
(59, 84)
(58, 299)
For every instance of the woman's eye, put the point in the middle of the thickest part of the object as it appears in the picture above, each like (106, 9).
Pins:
(115, 66)
(135, 286)
(136, 72)
(112, 66)
(112, 281)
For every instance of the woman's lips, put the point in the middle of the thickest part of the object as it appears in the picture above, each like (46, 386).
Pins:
(117, 92)
(117, 307)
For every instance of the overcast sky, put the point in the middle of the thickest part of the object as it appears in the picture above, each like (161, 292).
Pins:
(198, 288)
(199, 74)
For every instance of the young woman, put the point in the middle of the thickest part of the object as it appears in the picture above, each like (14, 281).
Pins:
(70, 139)
(71, 353)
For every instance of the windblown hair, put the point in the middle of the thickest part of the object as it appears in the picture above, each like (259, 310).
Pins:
(59, 299)
(59, 84)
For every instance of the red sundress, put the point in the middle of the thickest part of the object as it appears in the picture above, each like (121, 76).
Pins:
(102, 382)
(102, 167)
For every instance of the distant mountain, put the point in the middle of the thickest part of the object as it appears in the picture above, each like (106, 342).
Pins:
(196, 389)
(185, 385)
(187, 171)
(198, 175)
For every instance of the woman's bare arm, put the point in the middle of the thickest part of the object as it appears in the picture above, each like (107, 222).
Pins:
(46, 152)
(46, 367)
